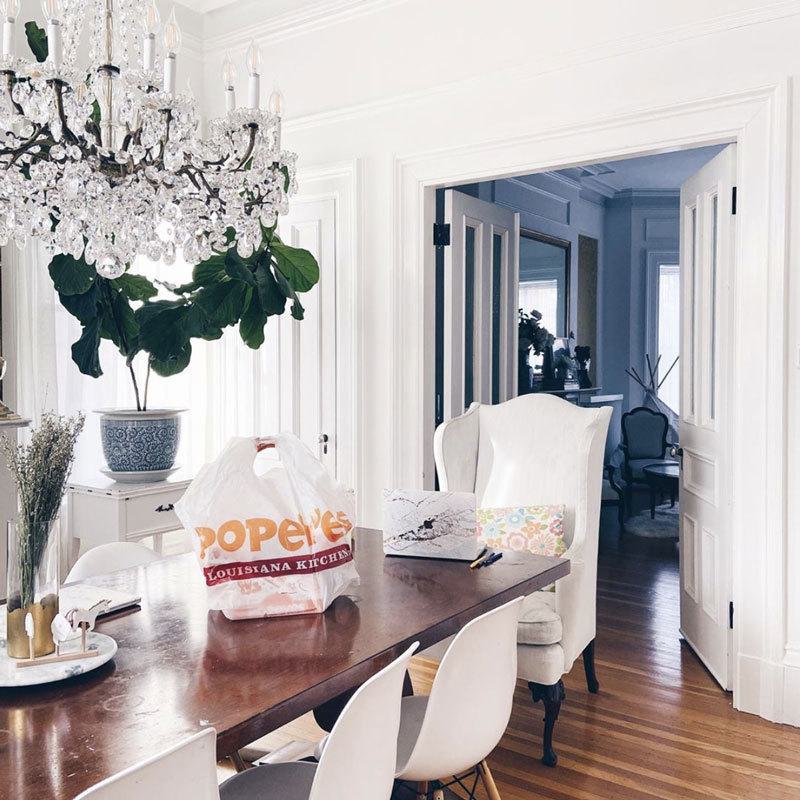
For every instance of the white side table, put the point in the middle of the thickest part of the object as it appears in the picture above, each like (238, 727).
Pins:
(101, 510)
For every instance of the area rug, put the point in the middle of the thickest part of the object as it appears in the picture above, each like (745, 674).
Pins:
(664, 526)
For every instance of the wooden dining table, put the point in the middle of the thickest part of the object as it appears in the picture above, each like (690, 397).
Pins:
(181, 667)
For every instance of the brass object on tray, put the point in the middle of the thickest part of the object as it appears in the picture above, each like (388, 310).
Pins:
(43, 613)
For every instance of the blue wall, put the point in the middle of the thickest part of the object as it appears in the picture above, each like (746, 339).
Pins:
(632, 228)
(641, 229)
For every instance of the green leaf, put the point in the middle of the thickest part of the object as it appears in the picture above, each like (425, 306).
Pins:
(236, 267)
(161, 329)
(96, 114)
(135, 287)
(272, 300)
(210, 271)
(298, 266)
(118, 322)
(71, 276)
(223, 303)
(286, 181)
(86, 351)
(298, 312)
(251, 326)
(174, 364)
(37, 41)
(82, 306)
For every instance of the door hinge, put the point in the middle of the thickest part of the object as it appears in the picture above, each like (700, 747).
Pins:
(733, 200)
(441, 234)
(730, 615)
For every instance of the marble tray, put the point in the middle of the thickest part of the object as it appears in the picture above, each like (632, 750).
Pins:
(430, 524)
(11, 676)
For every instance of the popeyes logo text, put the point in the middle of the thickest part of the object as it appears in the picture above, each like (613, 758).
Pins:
(291, 534)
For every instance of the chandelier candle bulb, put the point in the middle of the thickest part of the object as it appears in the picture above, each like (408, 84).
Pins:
(253, 59)
(229, 74)
(151, 24)
(172, 43)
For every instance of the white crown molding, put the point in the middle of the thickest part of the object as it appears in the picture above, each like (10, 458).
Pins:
(530, 69)
(311, 17)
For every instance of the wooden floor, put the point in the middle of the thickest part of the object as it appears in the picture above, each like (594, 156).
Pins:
(659, 728)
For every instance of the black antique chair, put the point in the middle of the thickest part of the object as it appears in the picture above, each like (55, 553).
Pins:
(612, 494)
(644, 442)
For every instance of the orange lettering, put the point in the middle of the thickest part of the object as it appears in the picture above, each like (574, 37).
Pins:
(292, 534)
(330, 526)
(260, 529)
(235, 528)
(342, 517)
(206, 539)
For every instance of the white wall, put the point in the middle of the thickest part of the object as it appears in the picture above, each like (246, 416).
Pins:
(380, 81)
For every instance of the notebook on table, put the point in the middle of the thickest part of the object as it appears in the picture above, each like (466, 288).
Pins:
(84, 595)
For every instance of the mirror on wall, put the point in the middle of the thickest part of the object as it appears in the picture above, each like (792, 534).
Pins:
(544, 279)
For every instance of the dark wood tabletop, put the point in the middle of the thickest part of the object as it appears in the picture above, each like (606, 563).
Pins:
(181, 667)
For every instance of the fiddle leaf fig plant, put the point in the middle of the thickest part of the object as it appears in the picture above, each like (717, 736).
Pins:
(225, 290)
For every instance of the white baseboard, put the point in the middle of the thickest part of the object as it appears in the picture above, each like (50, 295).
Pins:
(770, 689)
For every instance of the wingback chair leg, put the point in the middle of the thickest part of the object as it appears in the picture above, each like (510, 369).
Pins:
(552, 696)
(588, 668)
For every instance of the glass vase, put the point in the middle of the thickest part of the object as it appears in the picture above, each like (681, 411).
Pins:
(32, 586)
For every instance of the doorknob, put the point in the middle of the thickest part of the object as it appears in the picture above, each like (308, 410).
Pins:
(323, 440)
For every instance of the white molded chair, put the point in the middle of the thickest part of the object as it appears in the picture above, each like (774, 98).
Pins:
(453, 730)
(358, 761)
(187, 771)
(110, 557)
(538, 449)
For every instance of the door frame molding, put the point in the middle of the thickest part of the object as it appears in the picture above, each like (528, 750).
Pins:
(343, 183)
(758, 120)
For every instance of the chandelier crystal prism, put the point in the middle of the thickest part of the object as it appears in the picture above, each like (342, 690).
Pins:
(105, 160)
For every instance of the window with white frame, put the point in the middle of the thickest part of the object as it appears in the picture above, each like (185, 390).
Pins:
(668, 332)
(543, 296)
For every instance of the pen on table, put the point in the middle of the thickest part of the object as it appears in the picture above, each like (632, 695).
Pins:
(477, 562)
(492, 558)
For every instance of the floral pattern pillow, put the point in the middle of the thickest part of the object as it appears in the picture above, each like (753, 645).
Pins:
(535, 529)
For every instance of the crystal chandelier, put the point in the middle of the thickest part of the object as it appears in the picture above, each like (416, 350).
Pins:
(105, 160)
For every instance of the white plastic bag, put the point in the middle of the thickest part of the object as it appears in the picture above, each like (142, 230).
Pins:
(272, 544)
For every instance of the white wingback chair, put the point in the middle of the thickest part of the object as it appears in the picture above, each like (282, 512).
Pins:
(538, 449)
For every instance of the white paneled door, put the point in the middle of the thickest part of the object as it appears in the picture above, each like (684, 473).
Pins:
(481, 274)
(707, 243)
(300, 356)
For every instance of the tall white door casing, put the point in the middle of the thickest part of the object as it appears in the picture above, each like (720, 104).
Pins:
(481, 279)
(306, 349)
(706, 256)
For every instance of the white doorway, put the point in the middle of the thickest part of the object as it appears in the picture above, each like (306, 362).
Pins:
(758, 121)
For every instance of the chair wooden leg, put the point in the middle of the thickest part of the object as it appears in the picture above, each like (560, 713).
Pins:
(422, 790)
(588, 668)
(488, 781)
(552, 696)
(238, 761)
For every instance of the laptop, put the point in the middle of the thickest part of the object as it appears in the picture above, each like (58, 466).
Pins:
(425, 524)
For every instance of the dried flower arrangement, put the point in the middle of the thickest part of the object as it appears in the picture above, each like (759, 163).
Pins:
(40, 470)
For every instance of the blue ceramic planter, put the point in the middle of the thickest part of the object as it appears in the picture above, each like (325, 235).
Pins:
(140, 441)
